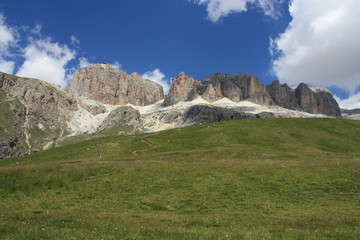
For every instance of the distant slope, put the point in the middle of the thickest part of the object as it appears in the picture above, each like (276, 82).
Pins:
(247, 179)
(250, 138)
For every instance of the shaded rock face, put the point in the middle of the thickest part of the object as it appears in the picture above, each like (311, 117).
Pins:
(237, 87)
(283, 95)
(203, 114)
(317, 102)
(183, 88)
(351, 111)
(122, 120)
(108, 85)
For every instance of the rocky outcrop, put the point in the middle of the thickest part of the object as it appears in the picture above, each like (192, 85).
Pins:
(316, 101)
(236, 87)
(36, 115)
(353, 114)
(42, 108)
(203, 114)
(43, 101)
(103, 83)
(183, 88)
(245, 87)
(12, 119)
(283, 95)
(92, 107)
(122, 120)
(304, 98)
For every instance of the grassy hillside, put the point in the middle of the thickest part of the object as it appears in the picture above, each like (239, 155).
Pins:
(247, 179)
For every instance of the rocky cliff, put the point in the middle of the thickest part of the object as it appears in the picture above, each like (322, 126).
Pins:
(122, 120)
(316, 101)
(283, 95)
(36, 115)
(183, 88)
(353, 114)
(105, 84)
(236, 87)
(245, 87)
(39, 112)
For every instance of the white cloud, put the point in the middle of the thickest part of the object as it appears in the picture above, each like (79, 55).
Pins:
(8, 39)
(84, 62)
(46, 60)
(350, 103)
(321, 44)
(158, 77)
(7, 66)
(116, 65)
(7, 35)
(218, 9)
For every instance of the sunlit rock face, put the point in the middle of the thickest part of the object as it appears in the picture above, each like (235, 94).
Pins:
(105, 84)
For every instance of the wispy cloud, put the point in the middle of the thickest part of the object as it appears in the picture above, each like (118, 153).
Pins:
(74, 41)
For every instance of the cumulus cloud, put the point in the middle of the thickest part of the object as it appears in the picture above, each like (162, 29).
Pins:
(158, 77)
(46, 60)
(8, 39)
(218, 9)
(321, 44)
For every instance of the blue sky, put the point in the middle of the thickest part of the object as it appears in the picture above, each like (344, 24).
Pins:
(295, 41)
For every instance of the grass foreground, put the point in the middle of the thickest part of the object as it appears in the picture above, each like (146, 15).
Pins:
(247, 179)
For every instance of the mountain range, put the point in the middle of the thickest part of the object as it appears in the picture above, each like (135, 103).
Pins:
(101, 100)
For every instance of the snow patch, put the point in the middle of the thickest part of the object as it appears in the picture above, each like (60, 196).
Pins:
(153, 115)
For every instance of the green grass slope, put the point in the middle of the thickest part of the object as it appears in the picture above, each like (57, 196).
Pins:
(247, 179)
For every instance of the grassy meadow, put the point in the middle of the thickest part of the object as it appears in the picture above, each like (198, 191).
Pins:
(246, 179)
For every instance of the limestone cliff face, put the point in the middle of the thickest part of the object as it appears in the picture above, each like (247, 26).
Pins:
(103, 83)
(283, 95)
(39, 110)
(240, 87)
(237, 87)
(183, 88)
(35, 115)
(316, 101)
